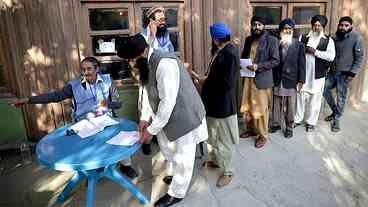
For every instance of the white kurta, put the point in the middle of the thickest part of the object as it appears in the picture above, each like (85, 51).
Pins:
(309, 99)
(182, 151)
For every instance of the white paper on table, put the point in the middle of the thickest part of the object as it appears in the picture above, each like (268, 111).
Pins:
(103, 121)
(89, 127)
(124, 138)
(244, 71)
(85, 128)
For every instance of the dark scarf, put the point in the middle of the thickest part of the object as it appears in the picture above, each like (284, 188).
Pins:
(340, 34)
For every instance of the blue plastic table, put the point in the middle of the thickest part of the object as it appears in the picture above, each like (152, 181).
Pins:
(90, 158)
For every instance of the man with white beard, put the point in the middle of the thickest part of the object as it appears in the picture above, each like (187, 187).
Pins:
(320, 52)
(288, 77)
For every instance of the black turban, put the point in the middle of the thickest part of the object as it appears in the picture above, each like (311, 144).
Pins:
(285, 22)
(258, 19)
(322, 19)
(346, 19)
(132, 47)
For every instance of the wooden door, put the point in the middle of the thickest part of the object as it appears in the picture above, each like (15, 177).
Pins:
(107, 23)
(301, 12)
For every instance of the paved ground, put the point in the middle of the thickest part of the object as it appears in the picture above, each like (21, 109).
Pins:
(319, 169)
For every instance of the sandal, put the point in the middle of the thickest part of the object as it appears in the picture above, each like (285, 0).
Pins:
(248, 134)
(210, 164)
(260, 142)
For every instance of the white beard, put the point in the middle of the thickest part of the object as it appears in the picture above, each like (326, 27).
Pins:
(286, 39)
(316, 34)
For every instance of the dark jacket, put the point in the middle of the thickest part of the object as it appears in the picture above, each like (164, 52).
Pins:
(349, 53)
(292, 70)
(219, 90)
(267, 57)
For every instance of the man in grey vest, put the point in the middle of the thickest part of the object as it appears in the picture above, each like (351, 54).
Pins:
(171, 109)
(158, 37)
(349, 59)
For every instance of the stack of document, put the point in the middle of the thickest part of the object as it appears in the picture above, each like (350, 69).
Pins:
(244, 71)
(89, 127)
(125, 138)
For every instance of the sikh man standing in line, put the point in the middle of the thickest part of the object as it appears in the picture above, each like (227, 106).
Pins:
(288, 77)
(171, 109)
(263, 50)
(320, 52)
(220, 99)
(349, 59)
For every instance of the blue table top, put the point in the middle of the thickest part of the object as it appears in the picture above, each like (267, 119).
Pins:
(66, 153)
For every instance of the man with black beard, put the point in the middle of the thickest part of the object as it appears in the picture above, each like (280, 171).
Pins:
(171, 108)
(263, 50)
(156, 32)
(158, 37)
(320, 52)
(288, 77)
(349, 59)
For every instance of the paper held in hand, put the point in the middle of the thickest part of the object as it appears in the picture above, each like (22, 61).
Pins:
(244, 71)
(124, 138)
(89, 127)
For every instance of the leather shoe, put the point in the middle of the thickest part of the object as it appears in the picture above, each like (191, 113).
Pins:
(309, 128)
(330, 117)
(288, 133)
(335, 126)
(167, 200)
(128, 171)
(146, 148)
(168, 179)
(297, 124)
(274, 129)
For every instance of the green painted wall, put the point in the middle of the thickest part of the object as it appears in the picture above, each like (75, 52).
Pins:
(12, 127)
(129, 109)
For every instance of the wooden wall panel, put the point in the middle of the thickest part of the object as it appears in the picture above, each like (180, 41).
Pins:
(204, 13)
(44, 57)
(188, 32)
(207, 21)
(357, 10)
(198, 38)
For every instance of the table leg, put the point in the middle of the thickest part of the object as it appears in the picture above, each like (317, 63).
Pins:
(91, 190)
(115, 175)
(78, 176)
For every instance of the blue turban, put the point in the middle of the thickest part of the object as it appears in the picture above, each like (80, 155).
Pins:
(285, 22)
(219, 30)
